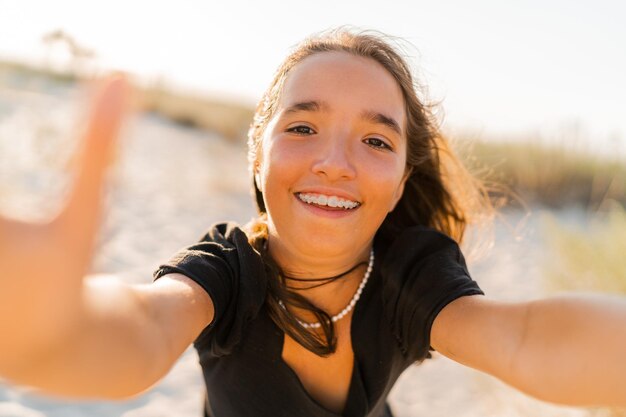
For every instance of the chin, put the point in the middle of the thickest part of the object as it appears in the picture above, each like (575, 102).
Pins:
(321, 237)
(325, 246)
(330, 242)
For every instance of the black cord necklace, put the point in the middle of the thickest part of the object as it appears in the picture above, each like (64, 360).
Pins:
(322, 281)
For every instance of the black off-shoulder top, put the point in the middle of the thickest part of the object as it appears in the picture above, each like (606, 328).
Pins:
(415, 275)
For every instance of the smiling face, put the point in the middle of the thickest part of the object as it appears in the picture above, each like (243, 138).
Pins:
(333, 157)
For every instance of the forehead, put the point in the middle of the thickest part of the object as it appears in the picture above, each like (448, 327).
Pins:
(345, 81)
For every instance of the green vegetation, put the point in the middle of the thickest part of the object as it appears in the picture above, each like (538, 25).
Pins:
(554, 176)
(589, 257)
(25, 76)
(227, 118)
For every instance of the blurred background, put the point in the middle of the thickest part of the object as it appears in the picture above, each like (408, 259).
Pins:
(531, 94)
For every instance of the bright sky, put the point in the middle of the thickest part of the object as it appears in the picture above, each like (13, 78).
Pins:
(496, 66)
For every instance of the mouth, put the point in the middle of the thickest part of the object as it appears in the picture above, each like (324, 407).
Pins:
(328, 202)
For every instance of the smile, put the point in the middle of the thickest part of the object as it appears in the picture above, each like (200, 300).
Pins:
(328, 201)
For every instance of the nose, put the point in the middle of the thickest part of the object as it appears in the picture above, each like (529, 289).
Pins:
(334, 159)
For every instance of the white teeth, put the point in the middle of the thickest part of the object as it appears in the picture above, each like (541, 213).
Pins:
(330, 201)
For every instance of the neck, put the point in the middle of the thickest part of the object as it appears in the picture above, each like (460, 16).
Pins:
(308, 263)
(316, 265)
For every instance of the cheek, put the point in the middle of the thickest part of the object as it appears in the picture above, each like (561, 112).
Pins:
(387, 177)
(393, 188)
(280, 167)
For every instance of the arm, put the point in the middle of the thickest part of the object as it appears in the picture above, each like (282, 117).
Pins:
(42, 265)
(128, 338)
(566, 350)
(83, 337)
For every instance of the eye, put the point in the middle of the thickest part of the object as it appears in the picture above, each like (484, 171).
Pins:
(301, 130)
(378, 144)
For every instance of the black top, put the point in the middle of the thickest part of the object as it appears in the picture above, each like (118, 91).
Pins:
(414, 277)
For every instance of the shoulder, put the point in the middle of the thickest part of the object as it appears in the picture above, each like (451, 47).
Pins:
(228, 268)
(423, 270)
(223, 231)
(221, 260)
(221, 245)
(418, 247)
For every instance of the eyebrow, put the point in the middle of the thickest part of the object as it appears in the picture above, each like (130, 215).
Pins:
(369, 115)
(311, 105)
(380, 118)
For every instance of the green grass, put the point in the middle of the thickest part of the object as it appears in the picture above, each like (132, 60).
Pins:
(22, 73)
(227, 118)
(550, 175)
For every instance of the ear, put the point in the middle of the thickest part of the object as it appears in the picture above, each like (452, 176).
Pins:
(400, 189)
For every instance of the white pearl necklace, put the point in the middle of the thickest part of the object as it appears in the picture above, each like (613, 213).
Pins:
(350, 305)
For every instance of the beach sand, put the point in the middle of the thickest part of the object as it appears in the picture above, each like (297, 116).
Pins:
(169, 185)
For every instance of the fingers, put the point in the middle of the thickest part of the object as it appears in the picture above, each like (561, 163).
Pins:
(79, 220)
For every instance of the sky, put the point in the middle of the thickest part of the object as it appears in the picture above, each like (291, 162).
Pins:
(501, 69)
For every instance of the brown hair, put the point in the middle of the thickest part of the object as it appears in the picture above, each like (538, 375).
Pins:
(438, 193)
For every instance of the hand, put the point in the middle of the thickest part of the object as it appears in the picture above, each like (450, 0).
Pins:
(42, 265)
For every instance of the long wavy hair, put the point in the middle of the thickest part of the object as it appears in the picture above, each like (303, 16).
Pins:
(439, 191)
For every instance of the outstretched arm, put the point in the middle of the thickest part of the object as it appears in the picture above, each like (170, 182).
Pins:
(126, 339)
(84, 337)
(568, 350)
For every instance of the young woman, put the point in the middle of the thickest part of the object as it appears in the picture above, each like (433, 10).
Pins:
(351, 273)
